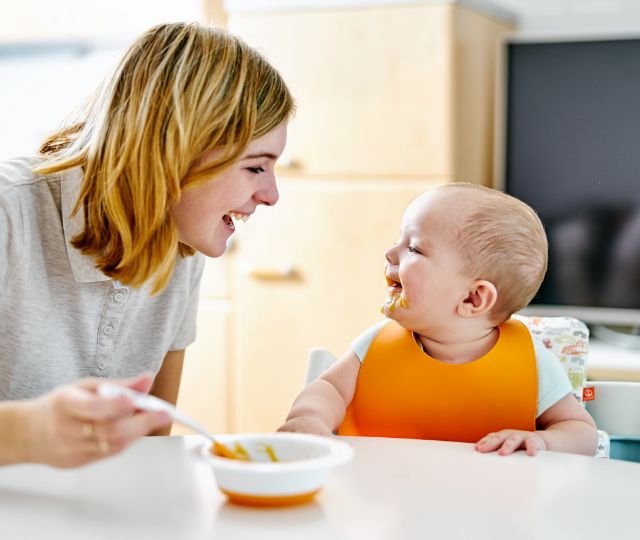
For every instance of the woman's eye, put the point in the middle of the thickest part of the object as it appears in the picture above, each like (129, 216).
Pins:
(255, 170)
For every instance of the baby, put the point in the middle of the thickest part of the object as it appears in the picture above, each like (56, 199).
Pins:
(450, 363)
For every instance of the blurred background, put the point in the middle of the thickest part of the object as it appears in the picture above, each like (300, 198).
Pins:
(53, 54)
(393, 97)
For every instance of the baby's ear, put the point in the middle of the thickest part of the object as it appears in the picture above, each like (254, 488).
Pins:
(480, 299)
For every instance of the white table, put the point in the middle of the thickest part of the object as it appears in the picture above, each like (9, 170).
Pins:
(394, 489)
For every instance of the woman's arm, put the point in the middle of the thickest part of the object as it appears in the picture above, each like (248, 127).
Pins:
(166, 385)
(13, 439)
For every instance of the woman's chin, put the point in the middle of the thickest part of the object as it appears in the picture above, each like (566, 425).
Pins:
(210, 249)
(214, 251)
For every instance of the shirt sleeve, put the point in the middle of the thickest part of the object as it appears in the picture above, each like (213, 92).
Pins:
(553, 382)
(186, 333)
(11, 237)
(361, 344)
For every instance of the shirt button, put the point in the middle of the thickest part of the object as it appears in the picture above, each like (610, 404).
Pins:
(118, 297)
(108, 330)
(102, 364)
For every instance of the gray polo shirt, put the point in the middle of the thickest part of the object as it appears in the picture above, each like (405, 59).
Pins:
(60, 317)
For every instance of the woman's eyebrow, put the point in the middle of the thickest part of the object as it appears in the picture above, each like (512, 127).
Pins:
(260, 155)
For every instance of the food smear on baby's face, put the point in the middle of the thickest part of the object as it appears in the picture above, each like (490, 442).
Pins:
(396, 299)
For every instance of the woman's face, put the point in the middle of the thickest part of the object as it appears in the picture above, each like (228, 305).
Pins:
(205, 213)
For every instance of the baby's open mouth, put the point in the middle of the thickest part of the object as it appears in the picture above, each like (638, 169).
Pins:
(395, 287)
(395, 297)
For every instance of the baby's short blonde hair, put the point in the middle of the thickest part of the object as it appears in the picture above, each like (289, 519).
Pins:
(502, 240)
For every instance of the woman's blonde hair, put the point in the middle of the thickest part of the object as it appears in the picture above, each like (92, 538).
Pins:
(503, 241)
(180, 90)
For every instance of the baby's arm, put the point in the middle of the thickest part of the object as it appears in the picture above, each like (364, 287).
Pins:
(564, 427)
(568, 427)
(321, 406)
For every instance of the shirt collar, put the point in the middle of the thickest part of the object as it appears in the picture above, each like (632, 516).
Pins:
(83, 266)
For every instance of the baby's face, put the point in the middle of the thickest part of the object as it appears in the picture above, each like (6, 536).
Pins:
(425, 284)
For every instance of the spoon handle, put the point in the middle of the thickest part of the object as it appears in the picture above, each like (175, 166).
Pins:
(152, 403)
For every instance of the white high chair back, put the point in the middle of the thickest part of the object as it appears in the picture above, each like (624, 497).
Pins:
(319, 361)
(566, 337)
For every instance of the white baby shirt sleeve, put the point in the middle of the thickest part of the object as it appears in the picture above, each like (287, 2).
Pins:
(361, 344)
(553, 383)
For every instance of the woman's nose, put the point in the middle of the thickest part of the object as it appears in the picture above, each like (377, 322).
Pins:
(269, 193)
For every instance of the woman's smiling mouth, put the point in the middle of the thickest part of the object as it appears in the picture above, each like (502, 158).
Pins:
(232, 217)
(239, 216)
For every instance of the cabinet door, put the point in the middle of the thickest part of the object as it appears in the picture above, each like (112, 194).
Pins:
(203, 391)
(373, 86)
(310, 273)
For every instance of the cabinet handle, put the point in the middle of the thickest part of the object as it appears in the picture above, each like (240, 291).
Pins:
(271, 273)
(291, 164)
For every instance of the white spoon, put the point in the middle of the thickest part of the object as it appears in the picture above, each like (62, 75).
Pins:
(152, 403)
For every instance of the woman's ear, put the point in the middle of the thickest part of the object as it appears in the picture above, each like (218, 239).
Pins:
(480, 299)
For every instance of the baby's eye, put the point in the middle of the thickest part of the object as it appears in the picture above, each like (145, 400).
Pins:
(412, 249)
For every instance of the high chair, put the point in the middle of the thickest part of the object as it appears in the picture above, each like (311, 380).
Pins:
(566, 337)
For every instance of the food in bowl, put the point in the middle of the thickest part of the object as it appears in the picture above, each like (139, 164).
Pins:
(239, 452)
(304, 463)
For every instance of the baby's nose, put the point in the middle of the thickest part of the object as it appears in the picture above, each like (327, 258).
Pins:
(387, 255)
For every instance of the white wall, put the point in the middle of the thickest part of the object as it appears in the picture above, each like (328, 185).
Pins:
(53, 53)
(39, 90)
(47, 20)
(575, 17)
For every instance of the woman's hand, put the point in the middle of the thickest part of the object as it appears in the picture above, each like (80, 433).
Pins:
(508, 441)
(73, 425)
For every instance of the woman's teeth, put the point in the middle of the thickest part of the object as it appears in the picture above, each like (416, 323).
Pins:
(238, 216)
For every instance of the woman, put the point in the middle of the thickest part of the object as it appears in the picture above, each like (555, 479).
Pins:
(99, 234)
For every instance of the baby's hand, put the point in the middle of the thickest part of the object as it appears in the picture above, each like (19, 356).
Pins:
(306, 424)
(508, 441)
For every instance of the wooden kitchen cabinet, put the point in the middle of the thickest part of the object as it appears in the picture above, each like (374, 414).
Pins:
(402, 89)
(391, 99)
(309, 273)
(206, 375)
